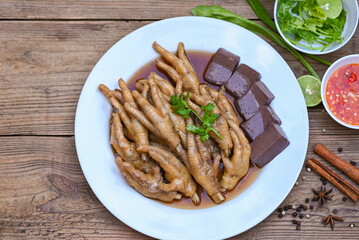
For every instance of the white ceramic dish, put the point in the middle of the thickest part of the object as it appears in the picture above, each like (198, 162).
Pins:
(351, 6)
(161, 221)
(335, 66)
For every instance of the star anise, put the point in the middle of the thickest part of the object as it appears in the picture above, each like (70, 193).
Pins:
(322, 195)
(330, 219)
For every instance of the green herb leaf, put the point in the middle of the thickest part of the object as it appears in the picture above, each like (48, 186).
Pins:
(181, 107)
(305, 20)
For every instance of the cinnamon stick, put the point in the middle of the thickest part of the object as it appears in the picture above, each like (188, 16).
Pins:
(335, 179)
(337, 162)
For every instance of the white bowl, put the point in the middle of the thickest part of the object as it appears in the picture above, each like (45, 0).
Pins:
(335, 66)
(351, 6)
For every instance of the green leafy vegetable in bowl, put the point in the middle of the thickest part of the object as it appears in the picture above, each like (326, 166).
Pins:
(318, 22)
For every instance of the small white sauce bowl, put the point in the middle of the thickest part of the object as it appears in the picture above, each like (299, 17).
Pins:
(350, 59)
(351, 6)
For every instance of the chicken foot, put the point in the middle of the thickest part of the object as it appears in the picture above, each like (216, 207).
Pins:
(220, 125)
(125, 148)
(150, 185)
(175, 172)
(200, 166)
(137, 130)
(155, 119)
(181, 68)
(236, 168)
(178, 122)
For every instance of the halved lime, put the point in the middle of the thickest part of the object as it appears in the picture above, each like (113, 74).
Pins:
(311, 89)
(331, 8)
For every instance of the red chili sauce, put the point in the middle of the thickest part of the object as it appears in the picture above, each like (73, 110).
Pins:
(343, 93)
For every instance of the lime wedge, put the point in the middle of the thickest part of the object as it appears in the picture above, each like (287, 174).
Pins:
(331, 8)
(311, 90)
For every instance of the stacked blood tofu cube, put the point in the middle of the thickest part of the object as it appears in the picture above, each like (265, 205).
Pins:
(252, 99)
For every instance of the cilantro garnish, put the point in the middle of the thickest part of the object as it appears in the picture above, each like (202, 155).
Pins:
(181, 107)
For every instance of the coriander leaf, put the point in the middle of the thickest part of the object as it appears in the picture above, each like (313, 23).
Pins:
(207, 109)
(183, 112)
(180, 105)
(195, 129)
(204, 137)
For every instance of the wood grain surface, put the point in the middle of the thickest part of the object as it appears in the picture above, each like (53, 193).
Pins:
(47, 50)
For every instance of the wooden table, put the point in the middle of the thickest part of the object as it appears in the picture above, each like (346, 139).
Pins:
(47, 50)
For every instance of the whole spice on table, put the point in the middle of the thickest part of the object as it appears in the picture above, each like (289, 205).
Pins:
(335, 179)
(322, 195)
(330, 219)
(339, 163)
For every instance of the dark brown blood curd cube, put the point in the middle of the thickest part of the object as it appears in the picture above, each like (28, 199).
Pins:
(257, 124)
(268, 145)
(257, 96)
(241, 80)
(221, 67)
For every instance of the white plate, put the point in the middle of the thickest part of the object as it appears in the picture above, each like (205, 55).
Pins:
(155, 219)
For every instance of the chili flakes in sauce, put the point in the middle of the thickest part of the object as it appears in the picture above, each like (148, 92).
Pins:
(342, 93)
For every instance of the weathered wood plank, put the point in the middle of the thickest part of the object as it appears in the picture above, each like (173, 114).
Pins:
(111, 9)
(43, 66)
(45, 195)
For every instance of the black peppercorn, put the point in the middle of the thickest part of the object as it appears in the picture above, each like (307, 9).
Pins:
(311, 207)
(301, 215)
(294, 221)
(294, 214)
(305, 208)
(290, 206)
(325, 182)
(286, 208)
(307, 200)
(299, 223)
(280, 215)
(344, 199)
(298, 209)
(340, 149)
(301, 206)
(280, 210)
(353, 163)
(322, 179)
(335, 211)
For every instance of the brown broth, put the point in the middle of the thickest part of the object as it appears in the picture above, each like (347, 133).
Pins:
(199, 61)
